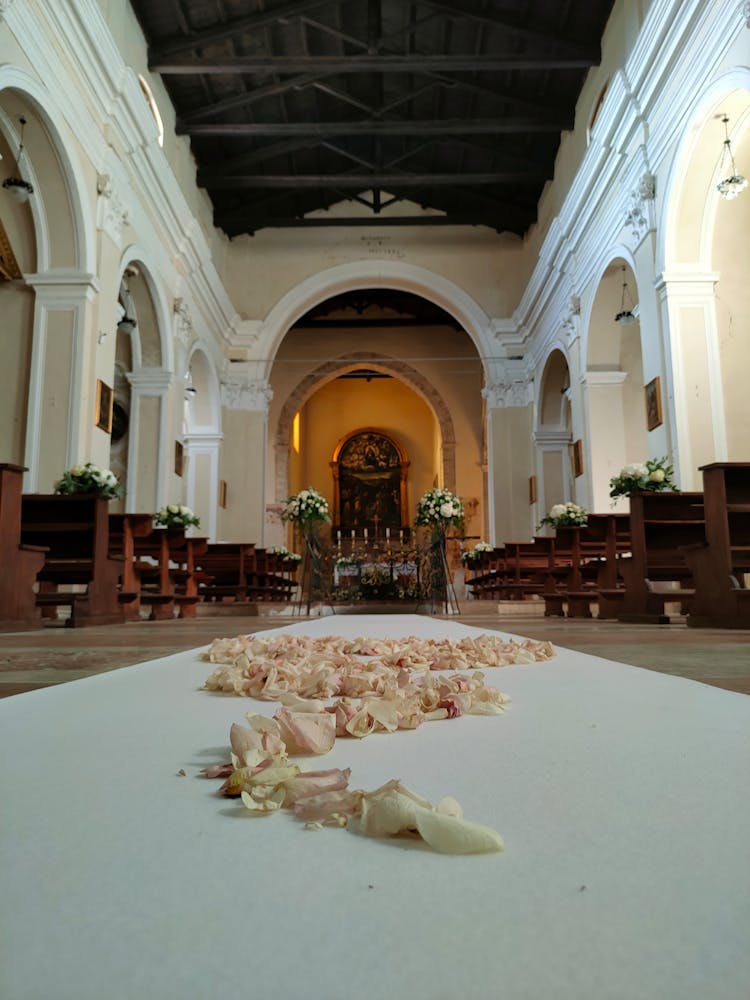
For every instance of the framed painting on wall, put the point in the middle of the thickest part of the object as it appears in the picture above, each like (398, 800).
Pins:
(578, 458)
(222, 492)
(105, 399)
(652, 393)
(532, 489)
(179, 458)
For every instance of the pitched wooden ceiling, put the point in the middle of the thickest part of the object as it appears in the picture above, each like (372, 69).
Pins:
(292, 106)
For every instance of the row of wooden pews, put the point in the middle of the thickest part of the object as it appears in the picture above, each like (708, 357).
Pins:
(69, 551)
(688, 549)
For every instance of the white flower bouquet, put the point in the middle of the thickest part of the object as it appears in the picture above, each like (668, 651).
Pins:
(438, 508)
(654, 475)
(305, 508)
(565, 515)
(176, 516)
(90, 478)
(475, 553)
(284, 553)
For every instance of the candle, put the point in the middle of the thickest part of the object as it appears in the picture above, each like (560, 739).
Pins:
(387, 532)
(338, 535)
(401, 535)
(365, 532)
(352, 534)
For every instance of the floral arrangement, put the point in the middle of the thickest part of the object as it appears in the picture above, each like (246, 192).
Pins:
(305, 508)
(347, 562)
(478, 549)
(438, 508)
(283, 551)
(565, 515)
(90, 478)
(655, 475)
(176, 516)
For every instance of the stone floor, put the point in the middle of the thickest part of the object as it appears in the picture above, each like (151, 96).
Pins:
(53, 655)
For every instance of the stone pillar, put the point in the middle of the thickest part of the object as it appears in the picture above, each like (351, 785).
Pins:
(245, 399)
(60, 429)
(149, 445)
(202, 461)
(509, 455)
(693, 399)
(553, 469)
(605, 450)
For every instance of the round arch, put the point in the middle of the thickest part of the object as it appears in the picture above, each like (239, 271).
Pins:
(49, 113)
(375, 274)
(328, 371)
(135, 255)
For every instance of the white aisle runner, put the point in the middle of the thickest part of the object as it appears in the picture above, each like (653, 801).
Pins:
(621, 794)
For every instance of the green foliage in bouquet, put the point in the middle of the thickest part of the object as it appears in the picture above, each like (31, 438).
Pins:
(90, 478)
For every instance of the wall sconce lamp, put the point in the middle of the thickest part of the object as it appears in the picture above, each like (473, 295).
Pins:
(190, 391)
(126, 325)
(625, 316)
(17, 187)
(735, 184)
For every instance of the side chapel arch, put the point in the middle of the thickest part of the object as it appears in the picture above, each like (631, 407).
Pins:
(324, 373)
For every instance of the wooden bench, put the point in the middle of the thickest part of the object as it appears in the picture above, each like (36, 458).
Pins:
(165, 561)
(124, 529)
(271, 578)
(591, 574)
(657, 572)
(720, 563)
(226, 567)
(78, 571)
(19, 563)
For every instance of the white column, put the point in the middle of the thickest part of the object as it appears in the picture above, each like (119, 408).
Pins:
(60, 408)
(694, 399)
(604, 445)
(552, 469)
(509, 459)
(202, 453)
(148, 382)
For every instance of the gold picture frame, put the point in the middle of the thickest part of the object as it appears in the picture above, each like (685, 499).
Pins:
(222, 492)
(105, 401)
(179, 458)
(577, 458)
(652, 394)
(532, 489)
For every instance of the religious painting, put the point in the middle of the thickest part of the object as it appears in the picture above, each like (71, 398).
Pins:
(369, 470)
(532, 489)
(105, 399)
(222, 493)
(578, 458)
(179, 458)
(653, 403)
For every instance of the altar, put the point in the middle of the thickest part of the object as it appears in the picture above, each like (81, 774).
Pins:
(621, 795)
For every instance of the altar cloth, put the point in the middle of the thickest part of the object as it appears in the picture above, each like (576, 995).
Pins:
(621, 794)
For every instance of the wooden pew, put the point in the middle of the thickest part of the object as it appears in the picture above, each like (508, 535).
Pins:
(226, 567)
(19, 564)
(75, 530)
(271, 579)
(720, 563)
(124, 529)
(488, 571)
(661, 526)
(591, 573)
(166, 563)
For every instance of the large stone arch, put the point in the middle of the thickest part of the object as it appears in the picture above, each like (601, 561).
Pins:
(375, 274)
(702, 286)
(329, 370)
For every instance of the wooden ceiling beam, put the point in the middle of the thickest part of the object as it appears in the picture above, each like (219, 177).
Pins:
(359, 182)
(253, 22)
(492, 126)
(319, 65)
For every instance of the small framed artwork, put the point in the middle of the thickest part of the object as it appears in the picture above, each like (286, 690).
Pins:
(653, 403)
(105, 399)
(532, 489)
(179, 458)
(222, 492)
(578, 458)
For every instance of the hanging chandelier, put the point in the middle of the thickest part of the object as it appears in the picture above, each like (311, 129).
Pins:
(735, 183)
(625, 316)
(17, 186)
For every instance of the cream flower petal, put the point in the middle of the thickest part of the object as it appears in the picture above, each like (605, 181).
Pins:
(264, 806)
(303, 733)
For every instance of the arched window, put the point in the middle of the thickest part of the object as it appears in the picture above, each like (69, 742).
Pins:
(153, 107)
(595, 112)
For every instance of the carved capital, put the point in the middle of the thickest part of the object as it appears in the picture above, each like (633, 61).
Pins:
(5, 6)
(241, 393)
(505, 394)
(638, 217)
